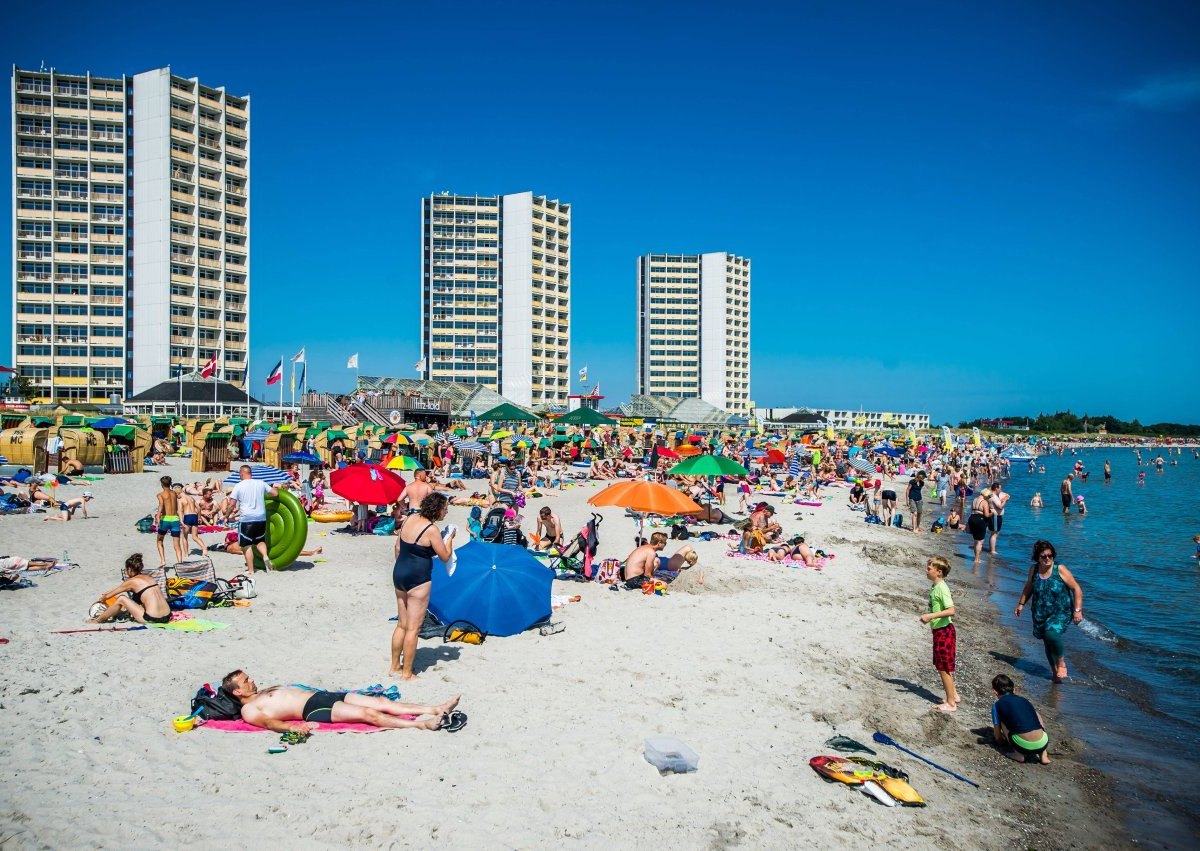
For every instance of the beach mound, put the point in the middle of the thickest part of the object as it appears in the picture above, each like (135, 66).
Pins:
(722, 580)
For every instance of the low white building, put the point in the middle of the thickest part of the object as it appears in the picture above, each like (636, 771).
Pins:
(850, 420)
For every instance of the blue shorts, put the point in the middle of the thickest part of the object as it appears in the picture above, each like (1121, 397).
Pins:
(169, 527)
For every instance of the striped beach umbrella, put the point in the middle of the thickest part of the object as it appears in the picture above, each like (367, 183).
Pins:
(469, 446)
(259, 472)
(3, 460)
(404, 462)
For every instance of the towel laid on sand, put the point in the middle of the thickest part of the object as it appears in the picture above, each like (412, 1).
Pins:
(240, 726)
(189, 625)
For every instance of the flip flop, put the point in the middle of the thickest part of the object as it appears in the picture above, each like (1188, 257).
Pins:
(452, 722)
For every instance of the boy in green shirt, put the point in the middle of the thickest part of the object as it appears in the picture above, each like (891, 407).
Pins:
(940, 619)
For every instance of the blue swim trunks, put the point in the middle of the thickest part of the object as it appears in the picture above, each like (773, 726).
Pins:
(169, 525)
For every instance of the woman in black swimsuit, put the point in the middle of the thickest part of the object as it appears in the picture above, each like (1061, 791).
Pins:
(980, 519)
(416, 544)
(145, 602)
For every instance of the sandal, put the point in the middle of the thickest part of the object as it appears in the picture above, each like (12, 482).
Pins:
(452, 722)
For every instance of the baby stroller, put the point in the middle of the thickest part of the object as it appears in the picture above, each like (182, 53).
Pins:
(576, 557)
(491, 529)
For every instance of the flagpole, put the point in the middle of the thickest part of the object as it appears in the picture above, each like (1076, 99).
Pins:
(293, 382)
(281, 383)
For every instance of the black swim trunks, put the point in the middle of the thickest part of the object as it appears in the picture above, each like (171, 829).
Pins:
(319, 707)
(888, 495)
(252, 532)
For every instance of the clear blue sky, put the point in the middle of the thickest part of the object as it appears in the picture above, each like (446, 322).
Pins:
(955, 209)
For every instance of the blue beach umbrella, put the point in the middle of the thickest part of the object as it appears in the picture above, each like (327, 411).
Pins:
(3, 460)
(108, 422)
(469, 446)
(501, 589)
(889, 451)
(260, 472)
(302, 458)
(259, 434)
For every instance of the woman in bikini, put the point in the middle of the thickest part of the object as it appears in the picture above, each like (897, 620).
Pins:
(418, 541)
(145, 602)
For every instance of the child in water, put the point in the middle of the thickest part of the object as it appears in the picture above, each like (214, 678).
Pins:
(1196, 541)
(1082, 505)
(1036, 502)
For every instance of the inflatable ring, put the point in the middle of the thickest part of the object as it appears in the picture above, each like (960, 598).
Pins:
(332, 516)
(394, 418)
(287, 530)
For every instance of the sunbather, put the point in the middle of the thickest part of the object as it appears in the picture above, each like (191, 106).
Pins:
(683, 558)
(286, 709)
(145, 602)
(71, 467)
(639, 565)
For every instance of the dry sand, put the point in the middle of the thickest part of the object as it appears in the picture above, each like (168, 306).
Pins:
(755, 667)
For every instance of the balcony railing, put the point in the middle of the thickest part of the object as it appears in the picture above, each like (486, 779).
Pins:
(105, 217)
(33, 107)
(34, 88)
(31, 130)
(33, 276)
(106, 134)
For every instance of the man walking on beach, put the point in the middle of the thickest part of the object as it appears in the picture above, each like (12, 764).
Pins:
(1065, 491)
(167, 518)
(251, 495)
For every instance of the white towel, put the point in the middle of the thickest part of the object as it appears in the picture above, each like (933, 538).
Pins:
(452, 562)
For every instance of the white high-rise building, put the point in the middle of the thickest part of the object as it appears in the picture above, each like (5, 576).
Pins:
(496, 294)
(694, 328)
(131, 231)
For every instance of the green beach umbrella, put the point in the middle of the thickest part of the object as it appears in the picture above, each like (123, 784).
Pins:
(708, 465)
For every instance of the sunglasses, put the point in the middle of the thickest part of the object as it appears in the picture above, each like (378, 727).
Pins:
(1046, 555)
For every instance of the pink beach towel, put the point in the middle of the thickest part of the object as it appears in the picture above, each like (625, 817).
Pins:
(240, 726)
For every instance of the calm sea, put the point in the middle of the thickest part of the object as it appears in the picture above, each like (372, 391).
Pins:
(1134, 693)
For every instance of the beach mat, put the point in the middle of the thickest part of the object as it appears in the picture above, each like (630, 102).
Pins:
(240, 726)
(189, 625)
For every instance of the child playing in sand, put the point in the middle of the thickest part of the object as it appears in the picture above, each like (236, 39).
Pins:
(940, 619)
(1017, 728)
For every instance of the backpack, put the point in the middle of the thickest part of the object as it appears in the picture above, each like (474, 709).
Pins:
(215, 705)
(680, 532)
(146, 524)
(190, 593)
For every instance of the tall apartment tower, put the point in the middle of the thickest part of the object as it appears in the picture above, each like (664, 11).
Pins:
(496, 294)
(694, 328)
(131, 230)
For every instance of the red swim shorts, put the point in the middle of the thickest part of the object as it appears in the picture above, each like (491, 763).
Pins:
(945, 646)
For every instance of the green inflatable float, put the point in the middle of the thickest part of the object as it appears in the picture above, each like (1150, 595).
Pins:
(287, 530)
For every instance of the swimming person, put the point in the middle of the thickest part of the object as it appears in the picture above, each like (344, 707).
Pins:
(1056, 601)
(417, 542)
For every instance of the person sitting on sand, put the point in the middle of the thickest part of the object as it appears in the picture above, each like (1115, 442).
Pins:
(37, 495)
(954, 519)
(639, 565)
(71, 467)
(858, 496)
(145, 602)
(67, 509)
(288, 709)
(1018, 730)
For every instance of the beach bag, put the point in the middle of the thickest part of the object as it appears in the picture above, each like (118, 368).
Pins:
(464, 631)
(190, 593)
(680, 532)
(898, 521)
(215, 704)
(146, 524)
(609, 571)
(241, 587)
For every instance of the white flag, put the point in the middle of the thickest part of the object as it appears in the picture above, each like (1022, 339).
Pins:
(419, 366)
(299, 358)
(352, 363)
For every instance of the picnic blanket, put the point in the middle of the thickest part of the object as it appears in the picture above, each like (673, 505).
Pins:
(189, 625)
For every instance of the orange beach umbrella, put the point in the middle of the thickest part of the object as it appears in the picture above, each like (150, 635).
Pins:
(648, 497)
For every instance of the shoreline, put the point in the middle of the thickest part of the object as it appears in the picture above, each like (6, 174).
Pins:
(753, 664)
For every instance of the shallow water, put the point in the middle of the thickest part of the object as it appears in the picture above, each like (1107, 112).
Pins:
(1134, 693)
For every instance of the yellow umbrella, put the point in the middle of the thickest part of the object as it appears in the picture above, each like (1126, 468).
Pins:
(500, 435)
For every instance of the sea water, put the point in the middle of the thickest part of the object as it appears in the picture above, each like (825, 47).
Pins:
(1134, 691)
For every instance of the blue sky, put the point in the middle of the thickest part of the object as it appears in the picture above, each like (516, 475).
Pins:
(949, 208)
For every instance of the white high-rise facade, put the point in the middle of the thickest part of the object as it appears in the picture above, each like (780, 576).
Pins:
(694, 328)
(131, 231)
(496, 294)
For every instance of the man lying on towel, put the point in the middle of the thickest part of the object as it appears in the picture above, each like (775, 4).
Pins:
(285, 709)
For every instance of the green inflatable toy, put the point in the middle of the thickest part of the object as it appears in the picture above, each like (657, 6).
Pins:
(287, 530)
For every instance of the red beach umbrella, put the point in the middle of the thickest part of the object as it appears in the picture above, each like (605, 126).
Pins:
(776, 457)
(367, 483)
(667, 453)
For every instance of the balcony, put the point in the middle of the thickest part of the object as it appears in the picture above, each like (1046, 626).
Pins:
(35, 88)
(209, 323)
(107, 299)
(235, 286)
(181, 340)
(186, 197)
(34, 255)
(237, 170)
(108, 197)
(107, 135)
(236, 110)
(182, 279)
(33, 130)
(33, 276)
(235, 228)
(185, 114)
(102, 217)
(183, 217)
(76, 194)
(210, 263)
(234, 130)
(36, 109)
(183, 135)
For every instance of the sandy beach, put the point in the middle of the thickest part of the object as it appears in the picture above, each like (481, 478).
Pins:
(753, 664)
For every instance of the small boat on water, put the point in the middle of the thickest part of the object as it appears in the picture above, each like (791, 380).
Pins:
(1020, 454)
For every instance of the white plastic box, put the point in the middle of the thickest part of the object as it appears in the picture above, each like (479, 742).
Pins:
(669, 755)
